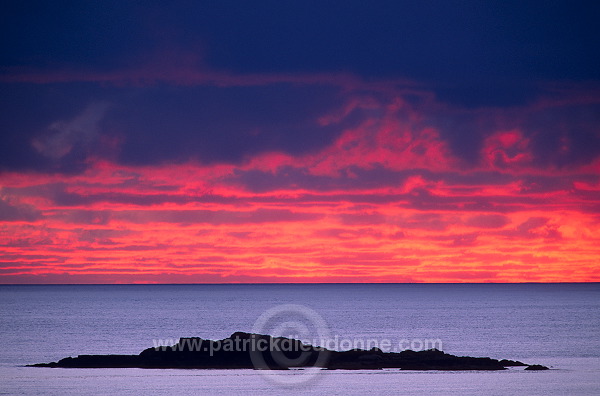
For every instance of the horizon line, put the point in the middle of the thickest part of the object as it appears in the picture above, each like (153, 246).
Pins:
(296, 283)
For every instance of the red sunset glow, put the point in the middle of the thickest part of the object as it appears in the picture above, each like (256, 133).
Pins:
(385, 202)
(405, 142)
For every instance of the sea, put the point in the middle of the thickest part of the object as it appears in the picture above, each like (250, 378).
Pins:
(556, 325)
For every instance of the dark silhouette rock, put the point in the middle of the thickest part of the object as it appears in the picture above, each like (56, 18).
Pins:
(536, 367)
(257, 351)
(511, 363)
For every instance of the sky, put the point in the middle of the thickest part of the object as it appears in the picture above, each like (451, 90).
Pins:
(299, 141)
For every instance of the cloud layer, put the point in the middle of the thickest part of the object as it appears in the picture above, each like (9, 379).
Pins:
(362, 149)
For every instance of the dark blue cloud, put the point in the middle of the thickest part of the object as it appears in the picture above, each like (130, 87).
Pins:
(474, 51)
(66, 33)
(160, 124)
(565, 136)
(473, 55)
(432, 40)
(561, 135)
(28, 113)
(212, 124)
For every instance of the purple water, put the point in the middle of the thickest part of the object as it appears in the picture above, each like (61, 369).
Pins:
(552, 324)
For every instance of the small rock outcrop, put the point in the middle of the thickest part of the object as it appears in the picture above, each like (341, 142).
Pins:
(536, 367)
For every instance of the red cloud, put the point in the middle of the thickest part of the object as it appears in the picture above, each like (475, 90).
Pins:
(507, 149)
(389, 200)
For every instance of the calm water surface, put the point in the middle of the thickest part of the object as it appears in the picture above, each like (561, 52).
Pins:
(556, 325)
